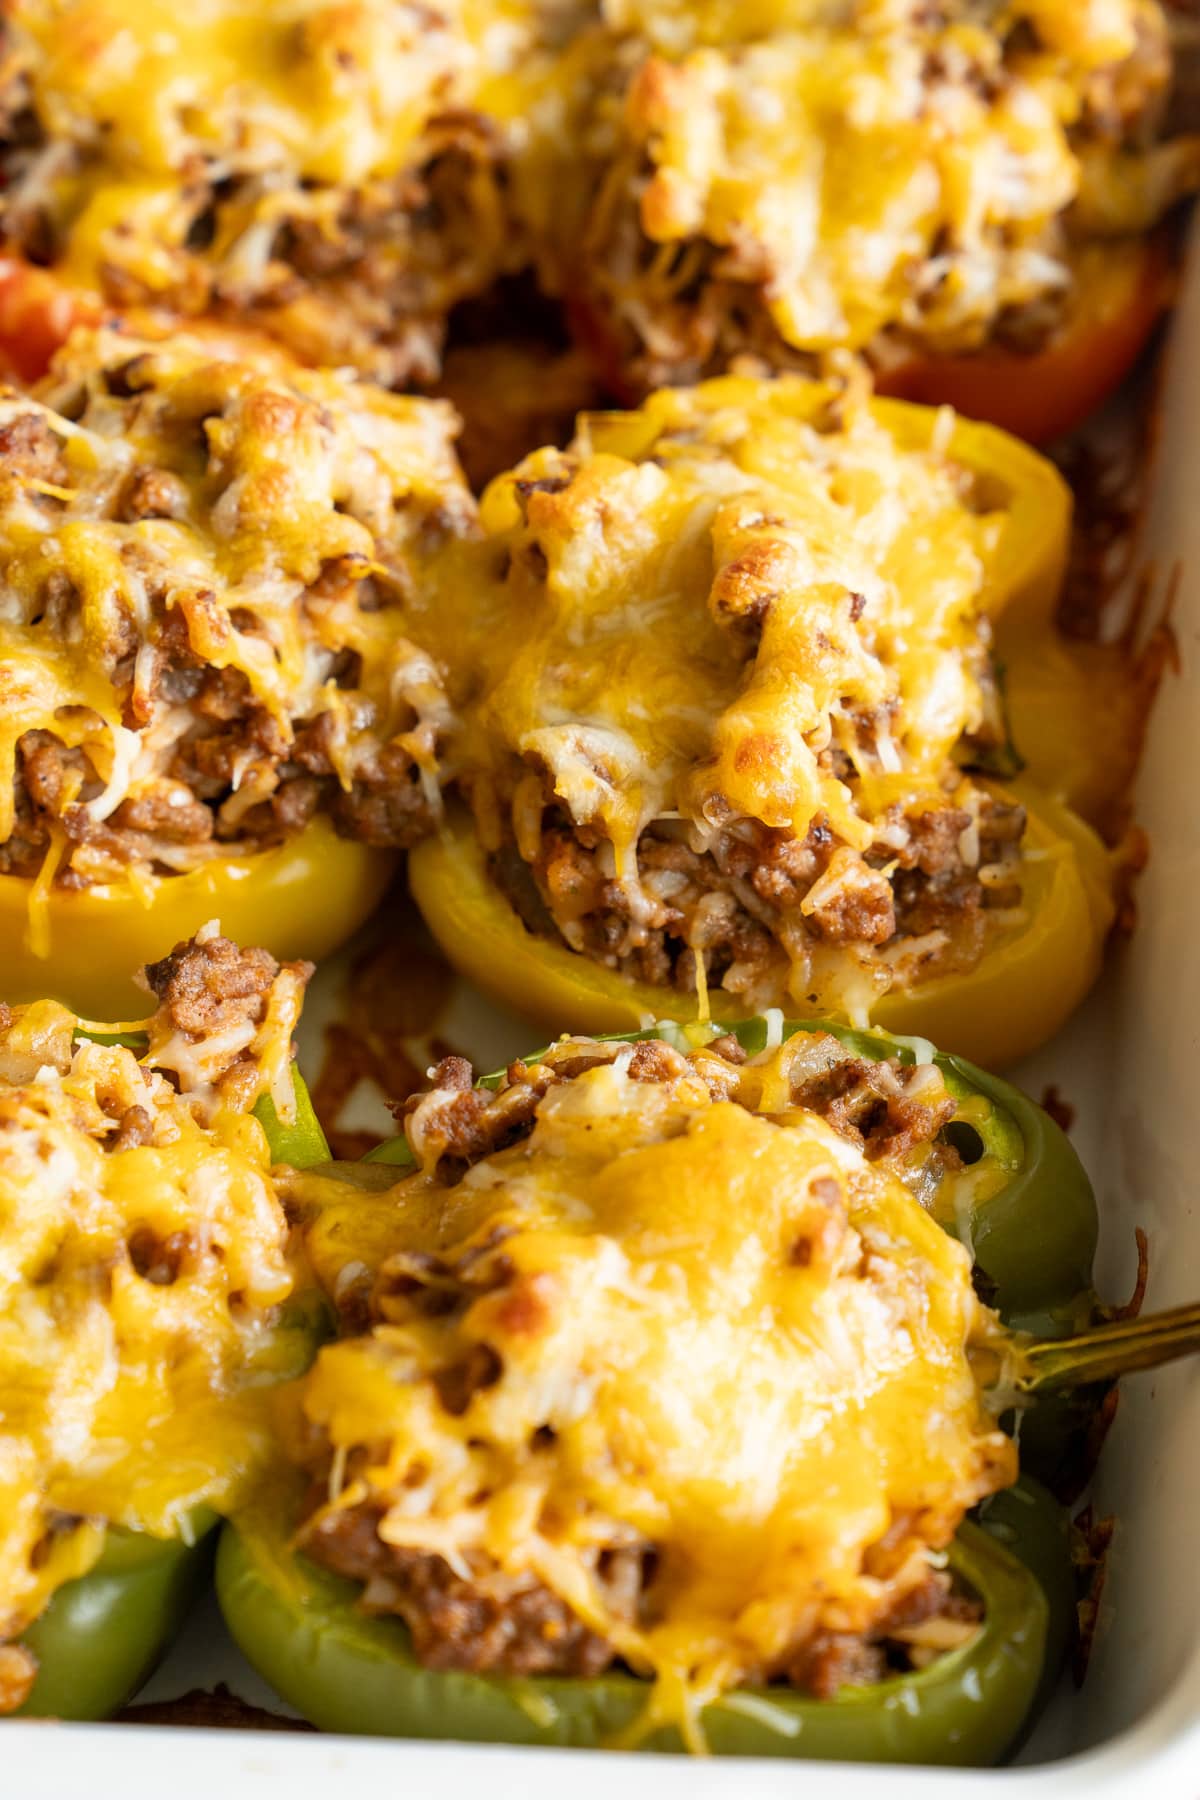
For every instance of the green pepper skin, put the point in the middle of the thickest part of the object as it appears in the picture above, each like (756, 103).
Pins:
(299, 1625)
(1034, 1239)
(301, 1143)
(1029, 1521)
(102, 1634)
(344, 1671)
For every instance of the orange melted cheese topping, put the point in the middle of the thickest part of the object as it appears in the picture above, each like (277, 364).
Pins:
(327, 92)
(642, 560)
(749, 601)
(711, 1329)
(141, 1288)
(183, 151)
(290, 514)
(881, 166)
(351, 169)
(1087, 33)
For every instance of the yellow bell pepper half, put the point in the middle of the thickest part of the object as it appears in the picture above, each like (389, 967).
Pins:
(302, 898)
(1024, 989)
(1077, 713)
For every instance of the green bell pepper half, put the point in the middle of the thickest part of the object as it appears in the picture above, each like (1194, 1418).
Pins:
(102, 1634)
(345, 1671)
(299, 1626)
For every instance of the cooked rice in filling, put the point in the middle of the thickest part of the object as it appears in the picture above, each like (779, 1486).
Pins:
(748, 913)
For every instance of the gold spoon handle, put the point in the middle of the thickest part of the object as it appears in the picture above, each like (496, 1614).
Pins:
(1111, 1350)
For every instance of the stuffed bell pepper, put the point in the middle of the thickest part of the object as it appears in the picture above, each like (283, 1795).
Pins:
(727, 706)
(334, 175)
(967, 195)
(209, 701)
(150, 1298)
(660, 1402)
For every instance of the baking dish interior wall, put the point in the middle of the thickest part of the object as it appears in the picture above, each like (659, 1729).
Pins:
(1144, 1158)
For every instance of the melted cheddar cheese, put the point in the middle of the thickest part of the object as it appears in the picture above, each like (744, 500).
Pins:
(772, 178)
(699, 1327)
(145, 1281)
(642, 561)
(1086, 34)
(789, 180)
(330, 93)
(282, 154)
(205, 505)
(748, 607)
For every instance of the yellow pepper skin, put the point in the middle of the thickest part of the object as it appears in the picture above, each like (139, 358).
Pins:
(1025, 988)
(302, 898)
(1077, 713)
(1025, 574)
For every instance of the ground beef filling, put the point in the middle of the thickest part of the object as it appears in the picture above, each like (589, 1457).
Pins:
(210, 991)
(752, 906)
(210, 983)
(887, 1109)
(671, 315)
(486, 1622)
(479, 1618)
(678, 311)
(376, 291)
(190, 813)
(368, 282)
(234, 776)
(490, 1623)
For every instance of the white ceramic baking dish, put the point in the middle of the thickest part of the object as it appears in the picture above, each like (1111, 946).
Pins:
(1130, 1065)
